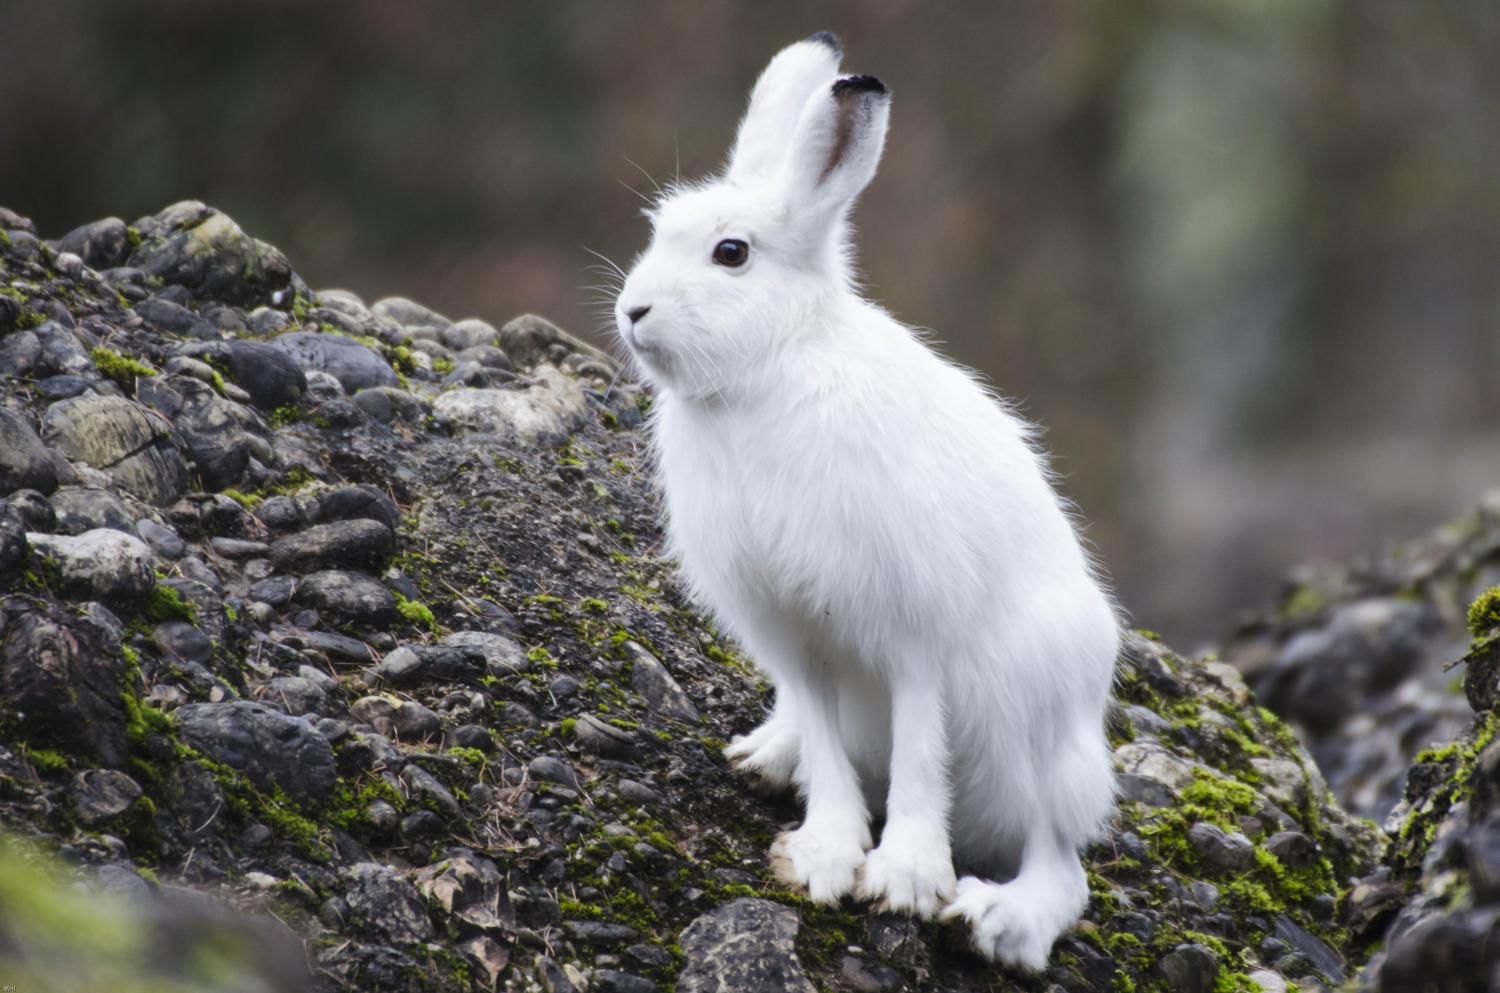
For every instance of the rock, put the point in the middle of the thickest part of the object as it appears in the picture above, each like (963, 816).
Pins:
(1293, 849)
(1221, 850)
(295, 695)
(25, 463)
(615, 981)
(530, 340)
(347, 598)
(385, 906)
(406, 719)
(356, 503)
(101, 244)
(273, 750)
(541, 411)
(599, 737)
(470, 332)
(350, 544)
(35, 509)
(410, 315)
(100, 563)
(63, 680)
(101, 794)
(426, 791)
(550, 769)
(352, 364)
(13, 545)
(1189, 968)
(503, 655)
(651, 680)
(411, 664)
(269, 374)
(76, 510)
(219, 435)
(746, 946)
(1324, 959)
(132, 444)
(202, 250)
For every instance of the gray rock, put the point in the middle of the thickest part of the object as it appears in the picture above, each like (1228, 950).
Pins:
(13, 545)
(411, 664)
(341, 544)
(1189, 968)
(359, 502)
(347, 598)
(1221, 850)
(386, 404)
(542, 410)
(651, 680)
(25, 463)
(530, 340)
(470, 332)
(274, 750)
(295, 695)
(1317, 952)
(132, 444)
(746, 946)
(352, 364)
(615, 981)
(405, 719)
(101, 563)
(77, 510)
(550, 769)
(426, 790)
(20, 351)
(61, 674)
(199, 248)
(410, 315)
(221, 436)
(238, 548)
(101, 244)
(101, 794)
(35, 509)
(503, 656)
(180, 641)
(270, 375)
(599, 737)
(385, 906)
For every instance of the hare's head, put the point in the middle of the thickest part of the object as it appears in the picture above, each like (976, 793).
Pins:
(740, 264)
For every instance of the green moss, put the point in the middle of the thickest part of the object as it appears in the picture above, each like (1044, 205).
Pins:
(123, 370)
(418, 613)
(473, 756)
(246, 500)
(285, 415)
(568, 726)
(594, 605)
(166, 604)
(541, 658)
(1484, 613)
(442, 366)
(1460, 758)
(44, 759)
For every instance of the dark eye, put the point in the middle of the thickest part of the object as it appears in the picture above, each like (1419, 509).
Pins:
(731, 252)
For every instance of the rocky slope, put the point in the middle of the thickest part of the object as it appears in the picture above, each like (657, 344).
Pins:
(351, 620)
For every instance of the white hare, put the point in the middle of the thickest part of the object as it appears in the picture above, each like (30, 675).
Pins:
(877, 531)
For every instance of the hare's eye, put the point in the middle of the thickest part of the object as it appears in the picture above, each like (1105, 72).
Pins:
(731, 252)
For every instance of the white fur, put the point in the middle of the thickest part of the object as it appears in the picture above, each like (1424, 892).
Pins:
(879, 533)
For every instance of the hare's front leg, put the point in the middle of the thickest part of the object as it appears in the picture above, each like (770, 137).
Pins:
(824, 855)
(912, 870)
(769, 753)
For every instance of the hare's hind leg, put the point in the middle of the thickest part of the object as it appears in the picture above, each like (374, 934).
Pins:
(1017, 922)
(769, 753)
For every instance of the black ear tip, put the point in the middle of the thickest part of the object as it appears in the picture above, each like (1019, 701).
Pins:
(829, 39)
(859, 84)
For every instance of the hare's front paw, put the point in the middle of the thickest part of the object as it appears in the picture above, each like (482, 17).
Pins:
(911, 872)
(822, 862)
(768, 755)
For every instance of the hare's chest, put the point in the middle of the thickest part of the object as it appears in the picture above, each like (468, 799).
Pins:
(733, 514)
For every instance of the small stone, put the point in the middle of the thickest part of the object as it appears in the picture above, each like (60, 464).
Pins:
(274, 750)
(163, 540)
(1221, 850)
(101, 794)
(1189, 968)
(134, 445)
(550, 769)
(599, 737)
(238, 548)
(651, 680)
(351, 544)
(77, 510)
(100, 244)
(747, 944)
(101, 563)
(347, 598)
(543, 410)
(352, 364)
(25, 462)
(424, 786)
(386, 906)
(1293, 848)
(614, 981)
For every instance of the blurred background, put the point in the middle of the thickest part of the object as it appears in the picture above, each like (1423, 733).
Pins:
(1241, 259)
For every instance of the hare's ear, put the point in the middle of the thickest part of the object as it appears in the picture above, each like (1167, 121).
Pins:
(777, 102)
(836, 147)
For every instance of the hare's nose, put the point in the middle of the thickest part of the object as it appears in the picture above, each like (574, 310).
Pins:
(636, 313)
